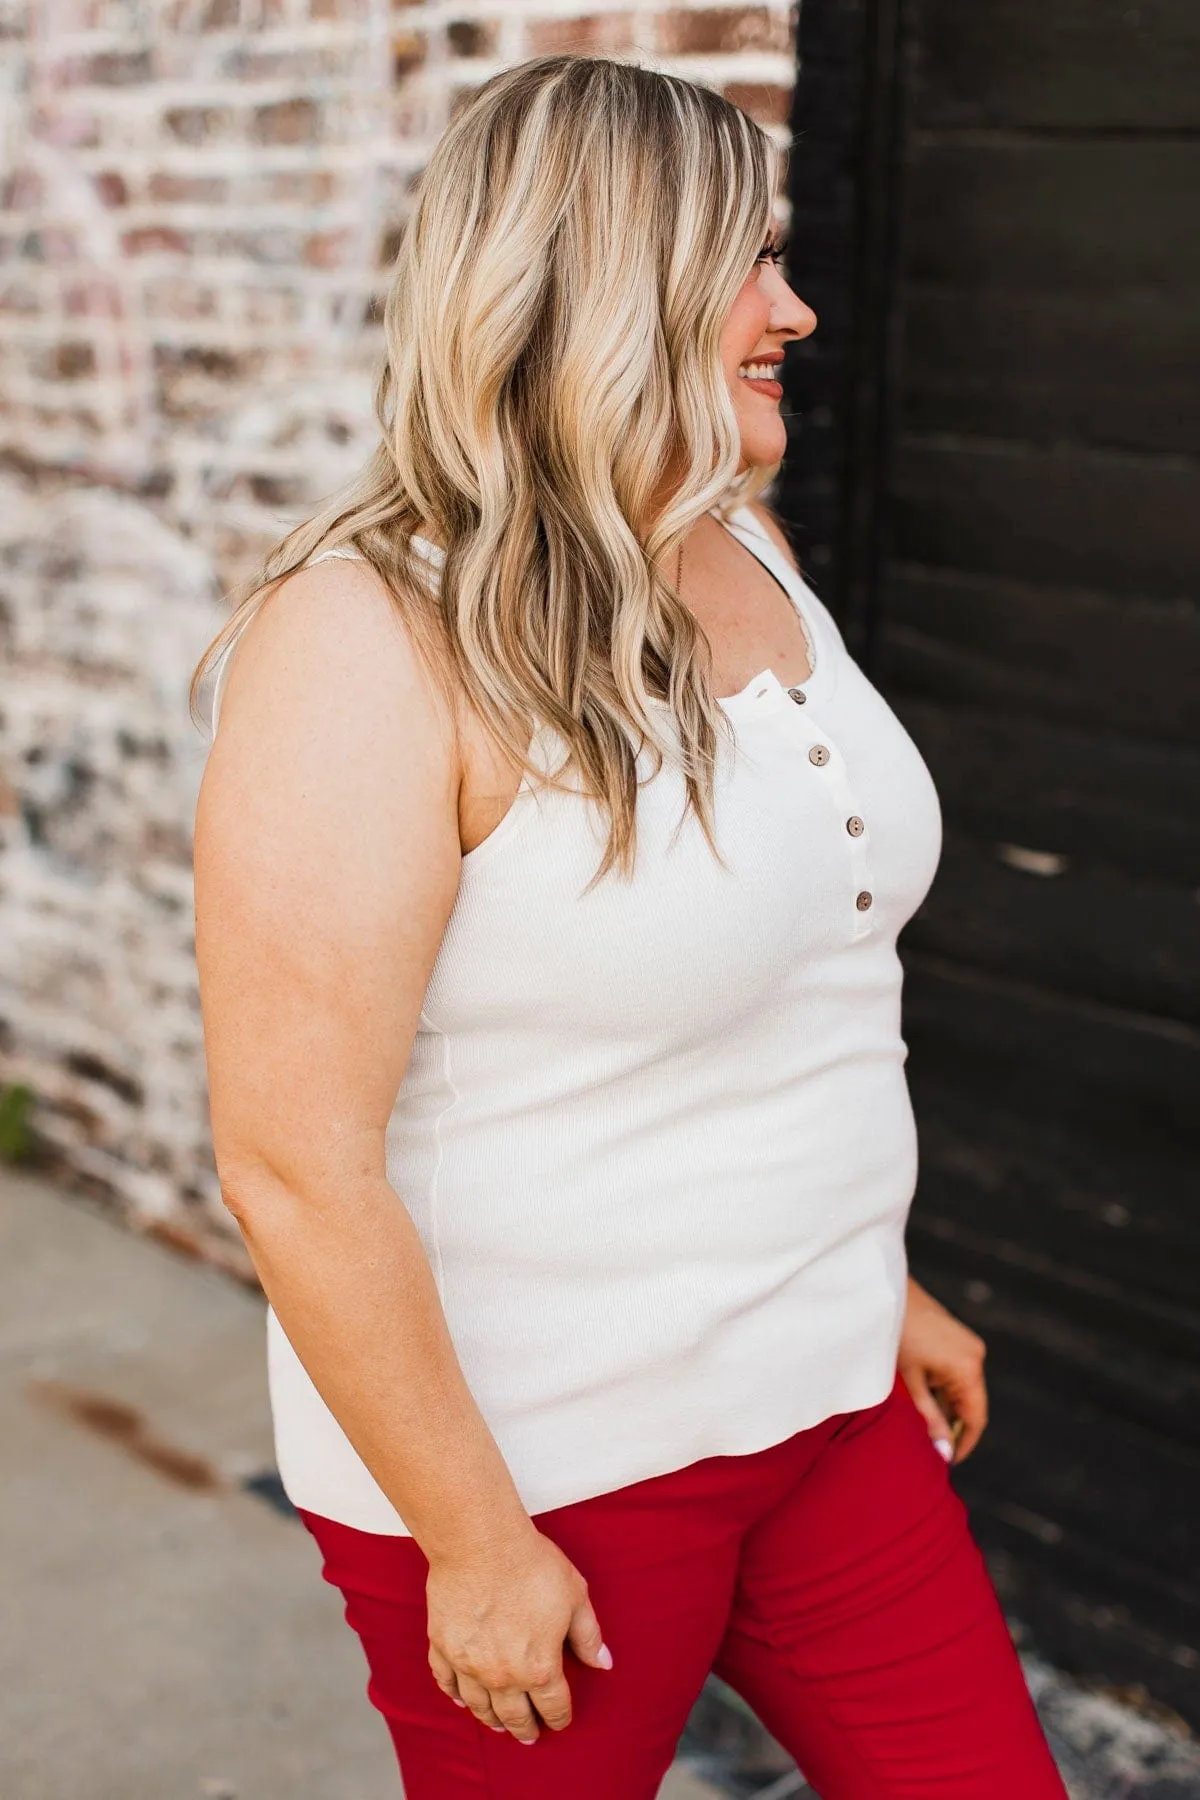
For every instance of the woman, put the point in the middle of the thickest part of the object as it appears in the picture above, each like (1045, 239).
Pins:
(550, 861)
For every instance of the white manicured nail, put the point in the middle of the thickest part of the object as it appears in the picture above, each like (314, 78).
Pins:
(944, 1448)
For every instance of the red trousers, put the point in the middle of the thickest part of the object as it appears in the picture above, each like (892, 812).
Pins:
(831, 1580)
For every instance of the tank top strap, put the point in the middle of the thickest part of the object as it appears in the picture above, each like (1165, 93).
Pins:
(226, 662)
(342, 550)
(223, 667)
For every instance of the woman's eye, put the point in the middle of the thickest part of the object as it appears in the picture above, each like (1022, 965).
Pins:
(773, 253)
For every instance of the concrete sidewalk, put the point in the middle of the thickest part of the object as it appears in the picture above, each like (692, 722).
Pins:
(166, 1634)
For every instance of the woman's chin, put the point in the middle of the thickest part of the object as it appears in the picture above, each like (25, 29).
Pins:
(759, 452)
(763, 438)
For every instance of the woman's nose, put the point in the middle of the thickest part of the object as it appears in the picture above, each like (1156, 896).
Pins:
(799, 316)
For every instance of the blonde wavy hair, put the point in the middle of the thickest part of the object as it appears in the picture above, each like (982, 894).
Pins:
(552, 365)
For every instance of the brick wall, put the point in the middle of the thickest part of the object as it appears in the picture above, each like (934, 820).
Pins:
(198, 207)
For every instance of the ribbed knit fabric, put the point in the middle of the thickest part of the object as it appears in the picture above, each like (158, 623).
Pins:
(657, 1139)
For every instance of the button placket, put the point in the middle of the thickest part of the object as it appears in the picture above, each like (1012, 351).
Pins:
(828, 765)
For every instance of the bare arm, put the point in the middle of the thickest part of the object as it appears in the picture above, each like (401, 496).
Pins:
(327, 859)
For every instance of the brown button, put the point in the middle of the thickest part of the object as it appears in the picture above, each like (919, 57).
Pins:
(864, 901)
(855, 826)
(819, 755)
(798, 695)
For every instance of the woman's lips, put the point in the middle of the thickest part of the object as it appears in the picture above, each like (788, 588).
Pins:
(772, 389)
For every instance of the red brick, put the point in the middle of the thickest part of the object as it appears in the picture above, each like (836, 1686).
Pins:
(220, 15)
(69, 361)
(595, 33)
(149, 239)
(212, 360)
(117, 68)
(328, 249)
(293, 121)
(175, 297)
(768, 104)
(188, 188)
(271, 308)
(408, 52)
(111, 188)
(717, 30)
(299, 64)
(309, 187)
(197, 124)
(179, 16)
(277, 490)
(473, 37)
(274, 246)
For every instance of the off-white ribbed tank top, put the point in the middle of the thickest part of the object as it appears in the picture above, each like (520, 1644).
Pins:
(657, 1139)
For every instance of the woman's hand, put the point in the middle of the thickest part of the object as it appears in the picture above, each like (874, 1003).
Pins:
(497, 1625)
(940, 1357)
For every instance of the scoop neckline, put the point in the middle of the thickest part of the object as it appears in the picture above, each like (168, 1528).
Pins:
(765, 690)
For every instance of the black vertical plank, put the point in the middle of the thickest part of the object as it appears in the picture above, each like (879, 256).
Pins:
(824, 193)
(846, 198)
(994, 476)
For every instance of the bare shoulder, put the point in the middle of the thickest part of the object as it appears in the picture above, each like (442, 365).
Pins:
(334, 744)
(331, 650)
(773, 529)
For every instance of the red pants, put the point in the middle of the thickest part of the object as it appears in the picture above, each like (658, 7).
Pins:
(831, 1580)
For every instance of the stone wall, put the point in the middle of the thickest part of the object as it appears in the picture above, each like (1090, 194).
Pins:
(199, 202)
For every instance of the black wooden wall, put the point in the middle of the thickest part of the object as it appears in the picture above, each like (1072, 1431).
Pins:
(994, 479)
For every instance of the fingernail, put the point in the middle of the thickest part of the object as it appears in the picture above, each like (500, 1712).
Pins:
(604, 1657)
(457, 1701)
(497, 1727)
(945, 1448)
(527, 1740)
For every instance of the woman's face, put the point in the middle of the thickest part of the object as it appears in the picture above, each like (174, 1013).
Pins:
(765, 316)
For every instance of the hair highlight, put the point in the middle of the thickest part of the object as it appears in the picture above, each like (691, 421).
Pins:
(553, 407)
